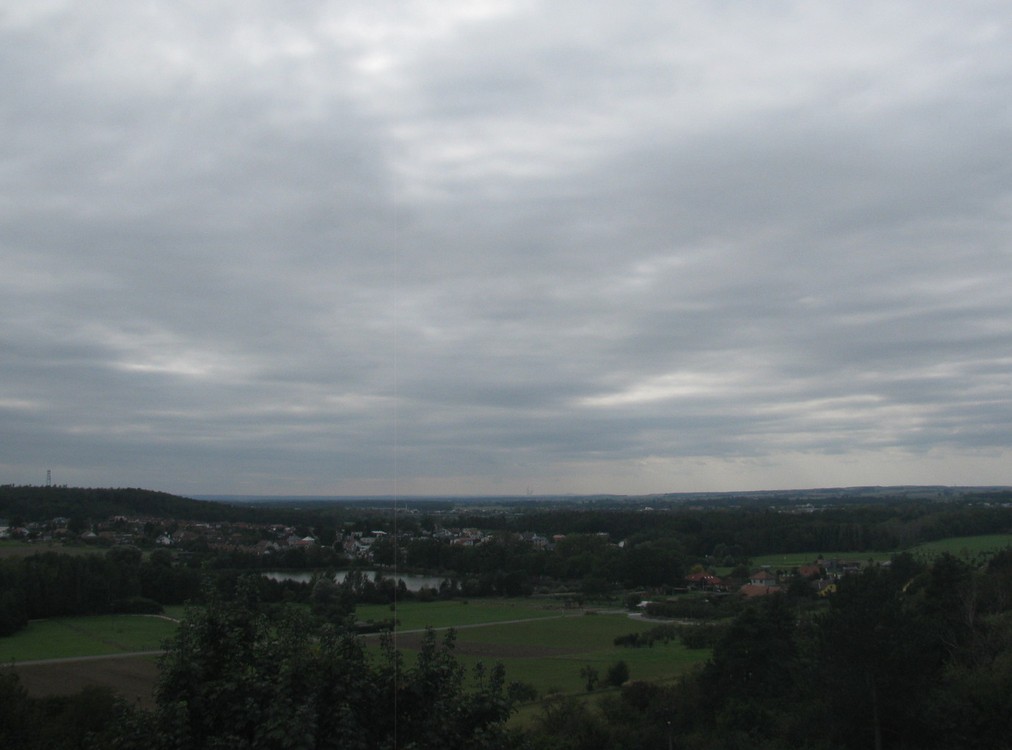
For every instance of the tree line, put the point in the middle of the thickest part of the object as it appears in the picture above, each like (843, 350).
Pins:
(52, 584)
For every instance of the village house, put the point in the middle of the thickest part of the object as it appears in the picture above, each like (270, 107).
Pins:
(702, 581)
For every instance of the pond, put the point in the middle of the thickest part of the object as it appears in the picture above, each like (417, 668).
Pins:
(412, 581)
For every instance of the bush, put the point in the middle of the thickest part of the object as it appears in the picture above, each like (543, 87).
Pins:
(137, 605)
(662, 633)
(701, 636)
(618, 673)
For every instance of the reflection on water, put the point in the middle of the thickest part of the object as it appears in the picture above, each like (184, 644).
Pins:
(412, 581)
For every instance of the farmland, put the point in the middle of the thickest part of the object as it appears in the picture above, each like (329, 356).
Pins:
(540, 644)
(549, 654)
(75, 652)
(14, 549)
(67, 637)
(446, 614)
(965, 547)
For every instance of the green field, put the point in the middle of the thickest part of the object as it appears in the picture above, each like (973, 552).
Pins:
(967, 547)
(539, 643)
(415, 615)
(26, 549)
(86, 636)
(796, 559)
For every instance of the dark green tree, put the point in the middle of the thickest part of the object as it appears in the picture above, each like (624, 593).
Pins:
(878, 656)
(239, 675)
(617, 674)
(752, 675)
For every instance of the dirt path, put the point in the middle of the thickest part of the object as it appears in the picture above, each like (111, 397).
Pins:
(96, 657)
(414, 631)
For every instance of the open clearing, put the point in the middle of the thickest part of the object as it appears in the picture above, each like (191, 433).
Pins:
(796, 559)
(548, 653)
(539, 643)
(26, 549)
(133, 677)
(102, 651)
(444, 614)
(65, 637)
(966, 547)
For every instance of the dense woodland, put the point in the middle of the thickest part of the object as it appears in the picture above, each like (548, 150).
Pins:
(907, 655)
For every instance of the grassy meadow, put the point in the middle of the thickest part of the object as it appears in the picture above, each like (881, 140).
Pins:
(12, 548)
(549, 654)
(67, 637)
(796, 559)
(965, 547)
(413, 615)
(538, 642)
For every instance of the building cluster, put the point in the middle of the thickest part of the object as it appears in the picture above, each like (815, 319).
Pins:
(820, 575)
(264, 539)
(233, 536)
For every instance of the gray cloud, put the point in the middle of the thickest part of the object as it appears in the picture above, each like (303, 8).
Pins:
(444, 247)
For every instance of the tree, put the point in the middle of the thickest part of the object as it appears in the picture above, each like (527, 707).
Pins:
(15, 711)
(239, 675)
(877, 654)
(330, 601)
(618, 674)
(752, 674)
(13, 616)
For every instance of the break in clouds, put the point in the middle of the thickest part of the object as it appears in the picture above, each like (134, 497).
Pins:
(443, 247)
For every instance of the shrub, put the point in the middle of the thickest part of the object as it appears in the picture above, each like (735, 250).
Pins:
(618, 673)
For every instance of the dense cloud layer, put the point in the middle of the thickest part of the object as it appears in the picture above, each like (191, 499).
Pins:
(429, 247)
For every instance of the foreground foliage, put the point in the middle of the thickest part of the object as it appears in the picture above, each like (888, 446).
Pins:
(904, 656)
(241, 675)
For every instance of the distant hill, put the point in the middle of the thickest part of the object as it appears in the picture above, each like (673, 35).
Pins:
(43, 503)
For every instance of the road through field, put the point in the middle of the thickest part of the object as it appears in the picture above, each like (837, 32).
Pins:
(97, 657)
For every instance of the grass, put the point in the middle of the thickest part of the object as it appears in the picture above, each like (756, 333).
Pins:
(9, 548)
(966, 547)
(445, 614)
(174, 611)
(67, 637)
(796, 559)
(583, 642)
(549, 653)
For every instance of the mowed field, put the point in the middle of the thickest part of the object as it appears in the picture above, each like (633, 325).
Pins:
(966, 547)
(66, 637)
(63, 655)
(542, 644)
(25, 549)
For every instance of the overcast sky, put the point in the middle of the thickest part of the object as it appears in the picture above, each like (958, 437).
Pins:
(479, 247)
